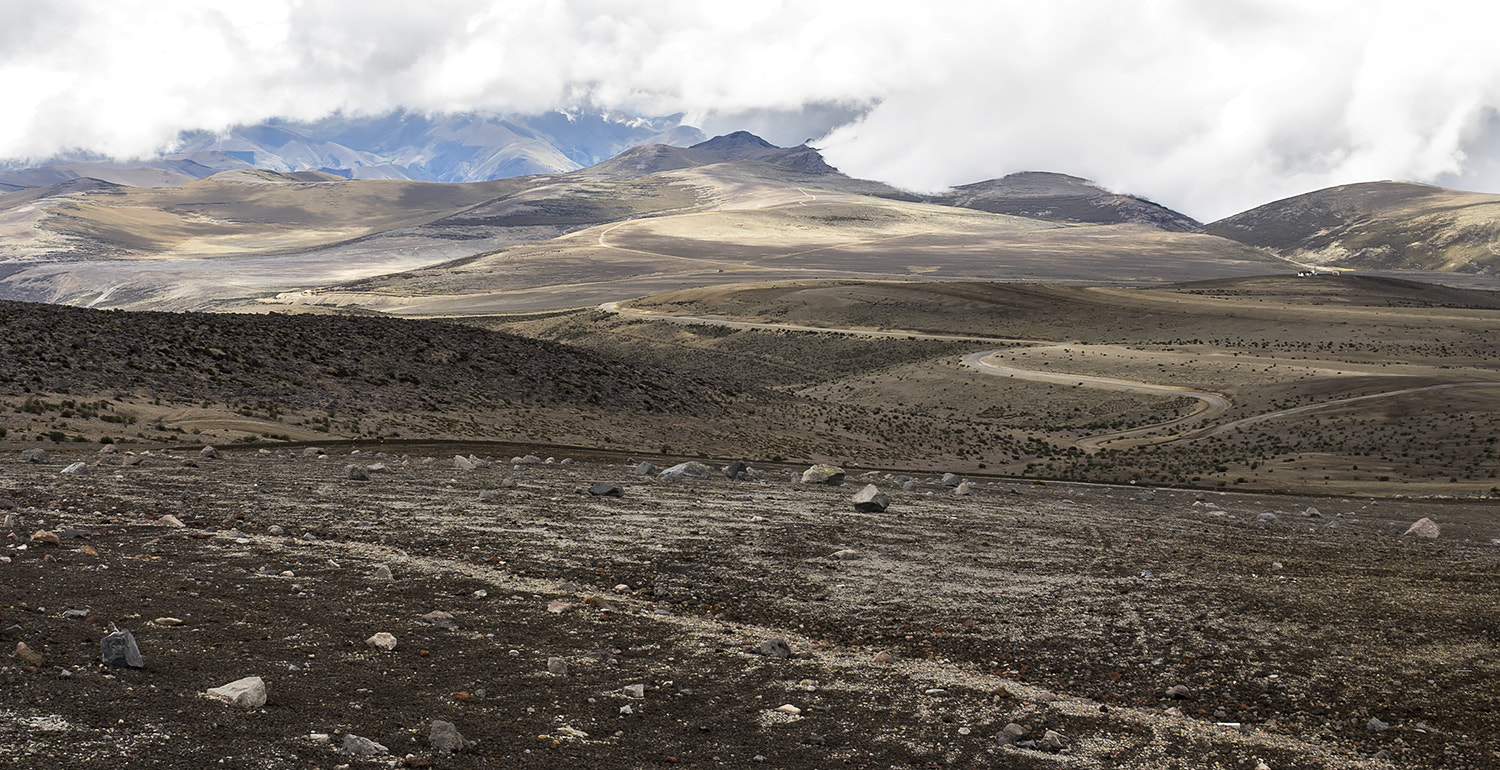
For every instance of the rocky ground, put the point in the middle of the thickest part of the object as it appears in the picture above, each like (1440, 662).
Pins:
(727, 623)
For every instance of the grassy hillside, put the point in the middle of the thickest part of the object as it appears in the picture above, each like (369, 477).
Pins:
(1377, 225)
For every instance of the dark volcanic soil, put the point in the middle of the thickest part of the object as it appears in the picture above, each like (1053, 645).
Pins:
(1059, 607)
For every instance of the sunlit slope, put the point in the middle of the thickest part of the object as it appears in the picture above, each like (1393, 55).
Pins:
(1377, 225)
(755, 230)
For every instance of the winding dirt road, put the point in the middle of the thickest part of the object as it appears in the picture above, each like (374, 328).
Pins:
(1211, 404)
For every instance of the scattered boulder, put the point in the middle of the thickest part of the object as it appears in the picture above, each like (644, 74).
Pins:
(170, 521)
(634, 691)
(734, 469)
(952, 479)
(1268, 517)
(382, 641)
(356, 473)
(885, 657)
(381, 572)
(208, 453)
(27, 655)
(871, 500)
(35, 455)
(845, 554)
(43, 537)
(774, 648)
(313, 451)
(1377, 726)
(445, 737)
(556, 665)
(109, 449)
(1013, 733)
(821, 473)
(1051, 741)
(1179, 692)
(963, 490)
(79, 468)
(1425, 528)
(120, 650)
(644, 469)
(1143, 496)
(606, 489)
(690, 468)
(441, 619)
(247, 693)
(487, 496)
(362, 747)
(463, 463)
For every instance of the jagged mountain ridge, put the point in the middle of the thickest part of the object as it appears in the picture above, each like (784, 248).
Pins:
(399, 145)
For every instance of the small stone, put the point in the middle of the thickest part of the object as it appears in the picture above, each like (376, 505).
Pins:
(952, 479)
(487, 495)
(558, 606)
(276, 530)
(774, 648)
(208, 453)
(79, 468)
(788, 708)
(871, 500)
(1174, 712)
(463, 463)
(1376, 726)
(362, 747)
(606, 489)
(1268, 517)
(634, 690)
(120, 650)
(35, 456)
(556, 665)
(1424, 528)
(964, 489)
(170, 521)
(831, 475)
(1179, 692)
(885, 656)
(167, 621)
(248, 693)
(381, 572)
(382, 641)
(43, 537)
(626, 710)
(356, 473)
(1051, 741)
(27, 655)
(441, 619)
(445, 737)
(1141, 496)
(846, 554)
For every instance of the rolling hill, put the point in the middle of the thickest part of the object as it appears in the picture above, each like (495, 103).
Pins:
(1377, 226)
(1062, 198)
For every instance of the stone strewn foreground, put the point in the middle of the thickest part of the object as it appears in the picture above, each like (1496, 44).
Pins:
(290, 612)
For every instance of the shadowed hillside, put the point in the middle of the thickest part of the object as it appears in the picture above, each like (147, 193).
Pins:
(1063, 198)
(1377, 225)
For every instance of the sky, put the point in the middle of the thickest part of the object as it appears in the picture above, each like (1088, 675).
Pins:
(1207, 106)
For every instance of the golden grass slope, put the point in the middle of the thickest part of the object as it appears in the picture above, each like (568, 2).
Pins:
(1377, 225)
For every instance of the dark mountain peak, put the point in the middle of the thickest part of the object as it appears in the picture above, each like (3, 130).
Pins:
(735, 142)
(1062, 198)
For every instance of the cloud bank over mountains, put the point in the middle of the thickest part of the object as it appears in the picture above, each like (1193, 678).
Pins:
(1206, 107)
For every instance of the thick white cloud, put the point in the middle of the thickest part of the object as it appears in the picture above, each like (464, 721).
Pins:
(1206, 107)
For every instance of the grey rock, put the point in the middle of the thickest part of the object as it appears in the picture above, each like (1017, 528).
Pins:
(774, 648)
(381, 572)
(952, 479)
(556, 665)
(487, 495)
(35, 455)
(441, 619)
(445, 737)
(508, 484)
(1268, 517)
(463, 463)
(690, 469)
(530, 460)
(823, 473)
(635, 690)
(1179, 692)
(208, 453)
(908, 485)
(275, 529)
(734, 469)
(1313, 513)
(362, 747)
(120, 650)
(871, 500)
(248, 693)
(1143, 496)
(1051, 741)
(964, 489)
(644, 469)
(606, 489)
(1424, 528)
(313, 451)
(79, 468)
(356, 473)
(846, 554)
(1377, 726)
